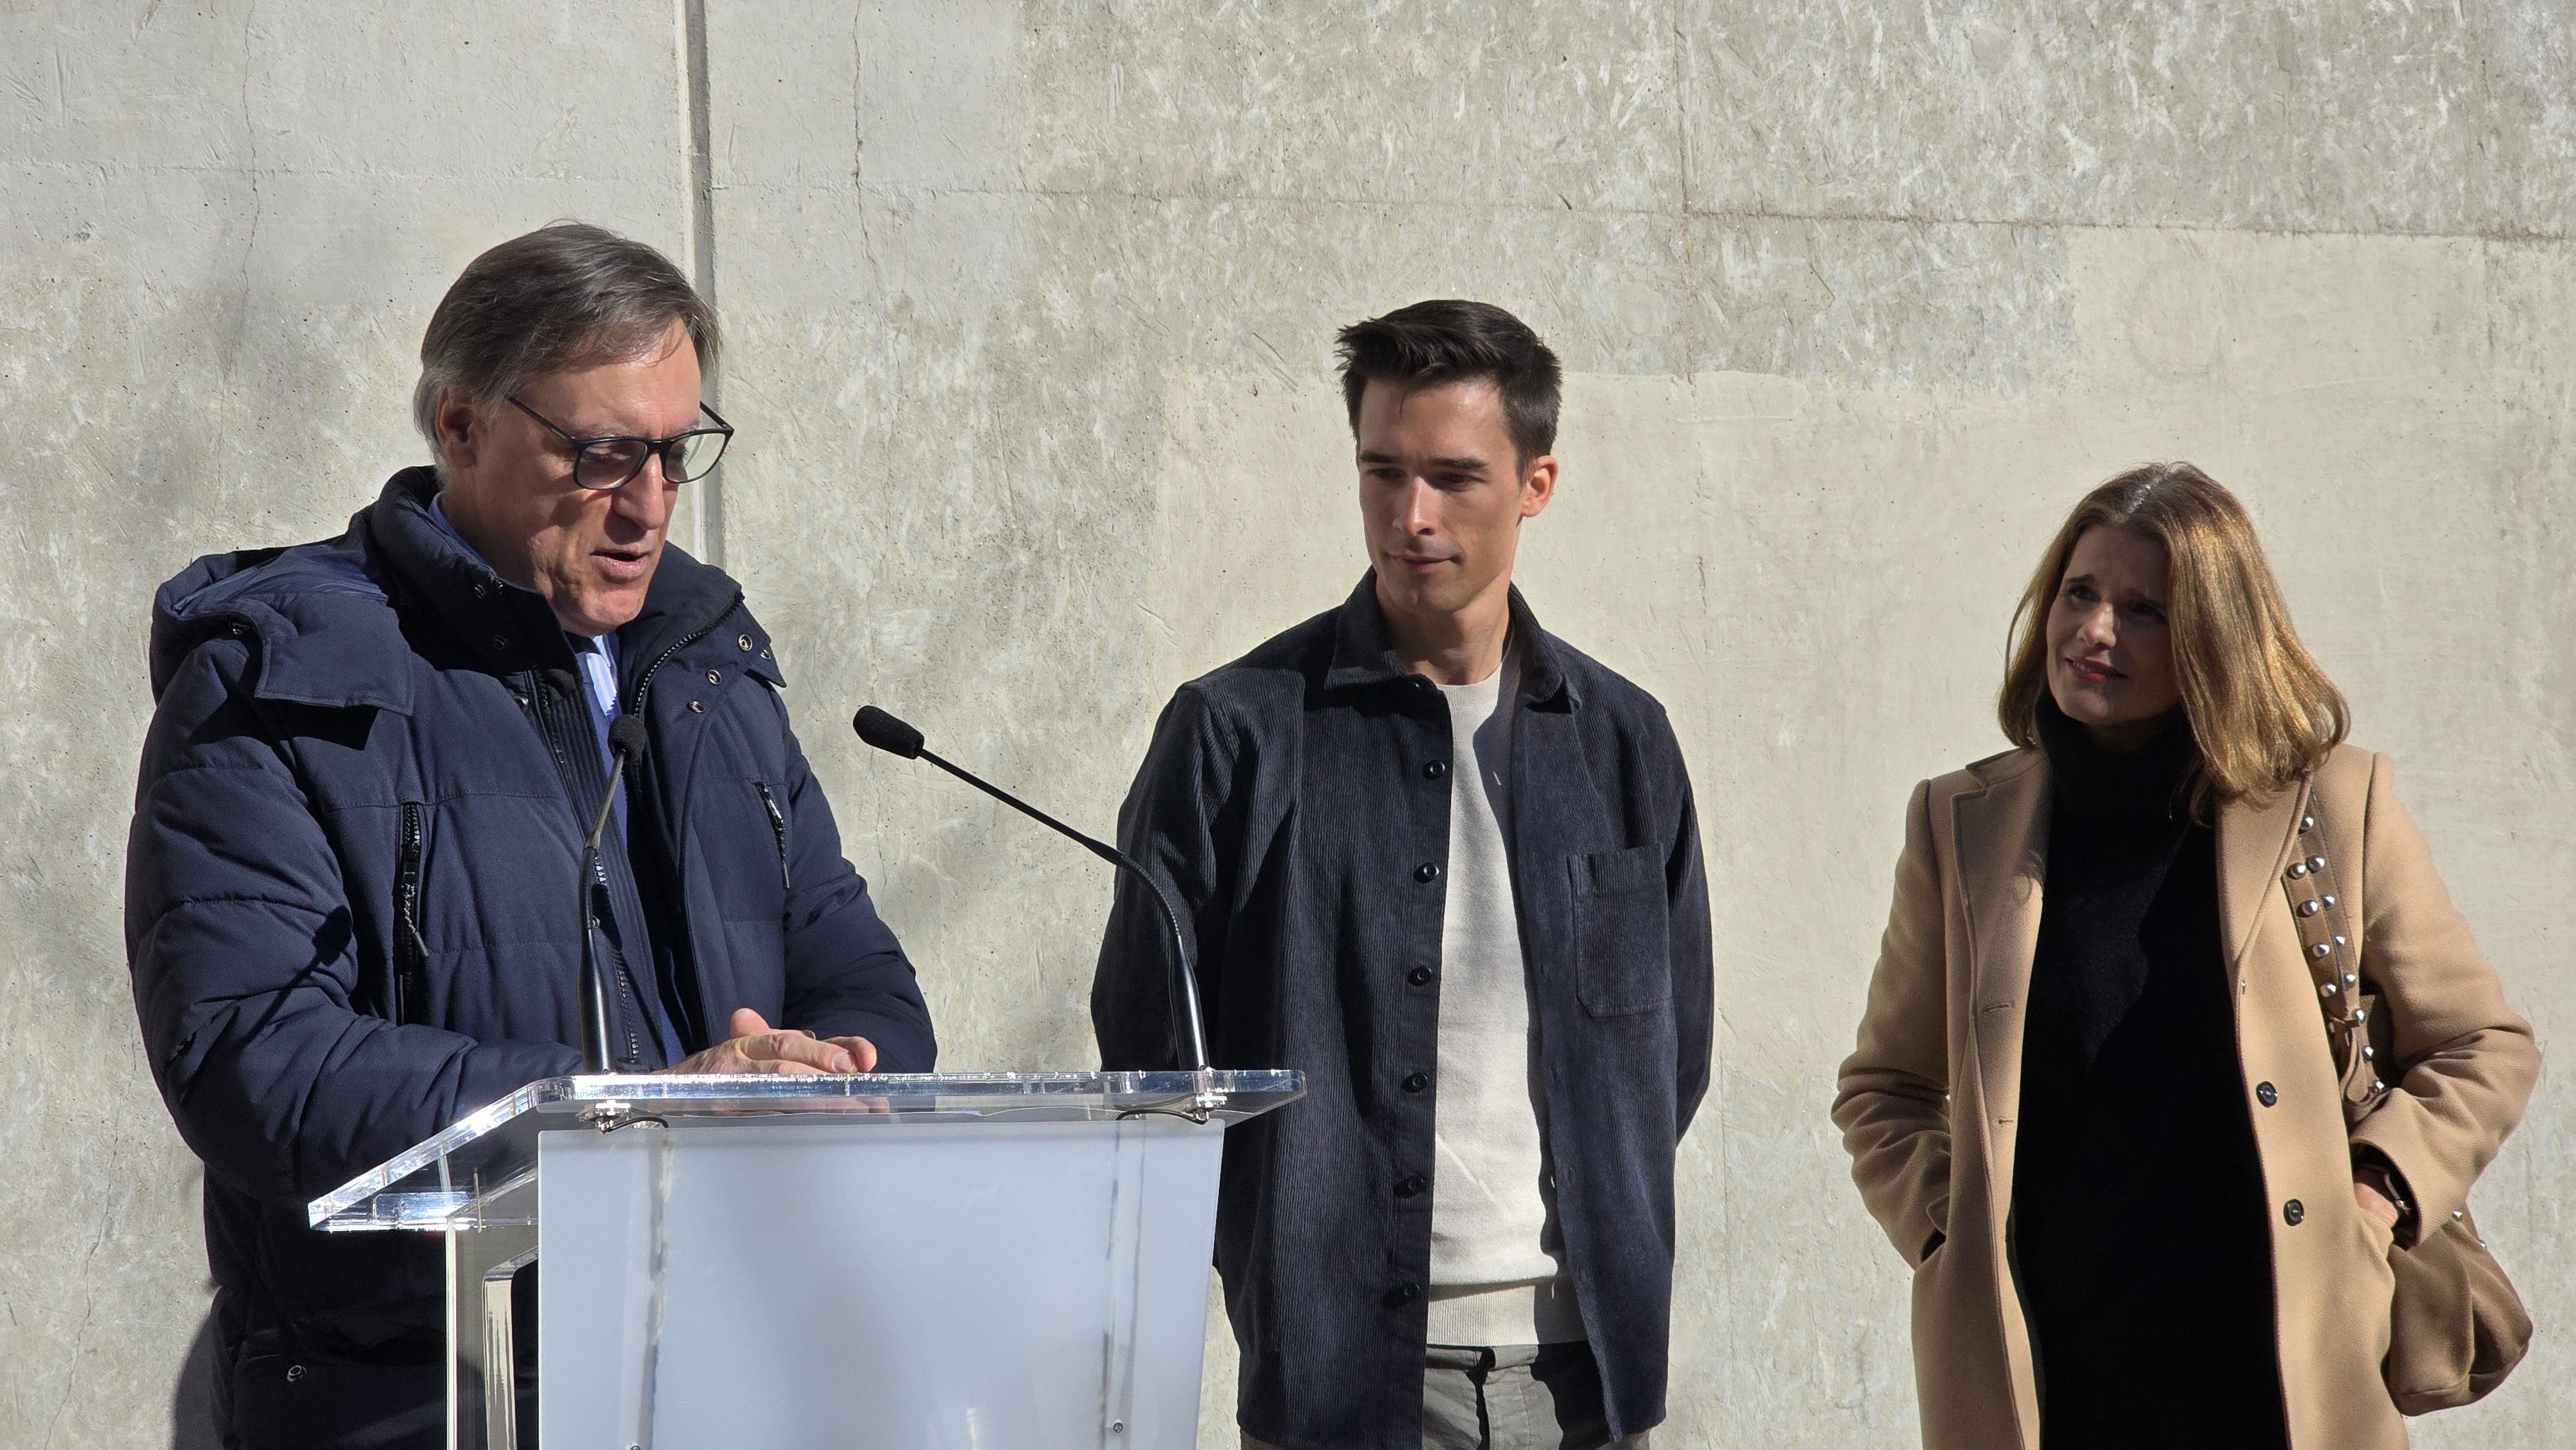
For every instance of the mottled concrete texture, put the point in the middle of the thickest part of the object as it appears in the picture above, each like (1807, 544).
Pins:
(1031, 306)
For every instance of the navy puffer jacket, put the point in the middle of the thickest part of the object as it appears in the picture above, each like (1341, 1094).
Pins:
(351, 908)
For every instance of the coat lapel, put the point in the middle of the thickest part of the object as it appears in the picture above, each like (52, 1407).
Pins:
(2254, 844)
(2002, 850)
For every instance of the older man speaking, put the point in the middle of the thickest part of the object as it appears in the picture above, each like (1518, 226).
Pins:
(354, 906)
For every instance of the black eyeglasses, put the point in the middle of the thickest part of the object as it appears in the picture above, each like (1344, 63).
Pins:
(611, 462)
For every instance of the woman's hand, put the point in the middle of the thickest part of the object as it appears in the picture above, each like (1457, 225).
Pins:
(2376, 1204)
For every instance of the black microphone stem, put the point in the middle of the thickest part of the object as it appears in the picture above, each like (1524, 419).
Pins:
(595, 1057)
(1192, 1045)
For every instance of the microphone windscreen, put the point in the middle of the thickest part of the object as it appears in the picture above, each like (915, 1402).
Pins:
(887, 733)
(626, 735)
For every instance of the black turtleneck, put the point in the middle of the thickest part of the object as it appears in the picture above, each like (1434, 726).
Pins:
(2139, 1232)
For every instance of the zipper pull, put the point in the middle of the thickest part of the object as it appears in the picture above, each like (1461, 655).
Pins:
(778, 828)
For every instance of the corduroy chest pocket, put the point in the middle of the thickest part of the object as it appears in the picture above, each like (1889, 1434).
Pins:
(1622, 945)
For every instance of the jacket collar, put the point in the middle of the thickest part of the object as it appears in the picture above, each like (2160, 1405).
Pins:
(2003, 859)
(1364, 655)
(2002, 850)
(506, 629)
(328, 619)
(500, 626)
(2254, 843)
(2000, 842)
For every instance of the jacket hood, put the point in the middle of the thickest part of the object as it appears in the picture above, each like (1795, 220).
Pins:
(321, 628)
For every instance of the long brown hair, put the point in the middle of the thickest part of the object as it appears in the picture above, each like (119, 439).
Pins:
(2261, 710)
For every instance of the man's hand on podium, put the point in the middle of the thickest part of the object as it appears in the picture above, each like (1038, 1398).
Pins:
(758, 1047)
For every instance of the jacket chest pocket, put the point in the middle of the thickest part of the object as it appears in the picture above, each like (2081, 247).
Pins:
(1622, 941)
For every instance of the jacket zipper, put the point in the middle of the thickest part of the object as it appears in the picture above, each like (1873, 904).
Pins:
(632, 1010)
(778, 828)
(643, 691)
(411, 951)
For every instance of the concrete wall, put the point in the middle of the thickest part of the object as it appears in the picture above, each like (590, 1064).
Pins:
(1030, 307)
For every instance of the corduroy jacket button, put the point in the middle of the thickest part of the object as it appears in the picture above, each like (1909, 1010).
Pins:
(2293, 1213)
(1417, 1082)
(1412, 1184)
(1419, 976)
(1428, 871)
(2266, 1094)
(1435, 770)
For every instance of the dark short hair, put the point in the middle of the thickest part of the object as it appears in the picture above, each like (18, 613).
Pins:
(1432, 343)
(566, 295)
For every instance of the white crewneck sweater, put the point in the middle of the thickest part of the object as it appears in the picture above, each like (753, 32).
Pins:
(1497, 1261)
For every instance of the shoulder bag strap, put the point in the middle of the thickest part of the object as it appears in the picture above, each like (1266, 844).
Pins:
(2332, 950)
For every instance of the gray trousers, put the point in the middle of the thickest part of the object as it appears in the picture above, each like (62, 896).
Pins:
(1516, 1397)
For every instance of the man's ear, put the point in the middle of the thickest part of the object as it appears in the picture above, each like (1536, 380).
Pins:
(459, 429)
(1538, 485)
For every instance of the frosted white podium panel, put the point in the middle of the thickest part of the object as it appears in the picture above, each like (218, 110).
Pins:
(872, 1262)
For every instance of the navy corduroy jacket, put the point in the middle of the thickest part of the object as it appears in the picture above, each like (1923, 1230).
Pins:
(1298, 799)
(352, 914)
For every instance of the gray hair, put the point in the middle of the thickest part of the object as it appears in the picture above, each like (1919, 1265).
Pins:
(566, 295)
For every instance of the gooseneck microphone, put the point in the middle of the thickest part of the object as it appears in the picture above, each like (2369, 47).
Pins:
(1189, 1034)
(625, 741)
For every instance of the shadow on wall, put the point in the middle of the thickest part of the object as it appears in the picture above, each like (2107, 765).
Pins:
(192, 1403)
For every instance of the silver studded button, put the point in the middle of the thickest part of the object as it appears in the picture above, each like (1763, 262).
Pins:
(742, 642)
(2457, 1214)
(2327, 989)
(2316, 863)
(2328, 898)
(2311, 907)
(2360, 1014)
(697, 707)
(2368, 1052)
(2351, 979)
(2307, 823)
(2339, 940)
(2321, 951)
(2380, 1087)
(2298, 869)
(715, 677)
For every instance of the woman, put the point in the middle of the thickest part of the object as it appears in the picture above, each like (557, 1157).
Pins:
(2095, 1102)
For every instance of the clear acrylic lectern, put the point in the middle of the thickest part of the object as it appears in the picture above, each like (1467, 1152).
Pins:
(875, 1262)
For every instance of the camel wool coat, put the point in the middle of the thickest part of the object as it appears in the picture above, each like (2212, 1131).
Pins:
(1928, 1099)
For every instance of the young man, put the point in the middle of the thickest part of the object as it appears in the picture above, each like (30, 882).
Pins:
(1448, 867)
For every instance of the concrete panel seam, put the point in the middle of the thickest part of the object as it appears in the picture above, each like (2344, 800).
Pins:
(698, 143)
